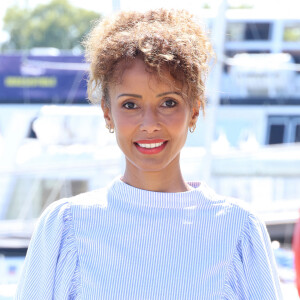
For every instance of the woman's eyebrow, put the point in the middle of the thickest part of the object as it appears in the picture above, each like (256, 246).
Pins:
(167, 93)
(130, 95)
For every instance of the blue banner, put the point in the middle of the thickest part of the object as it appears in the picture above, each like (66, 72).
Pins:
(43, 79)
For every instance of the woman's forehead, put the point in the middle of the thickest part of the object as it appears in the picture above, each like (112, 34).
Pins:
(136, 69)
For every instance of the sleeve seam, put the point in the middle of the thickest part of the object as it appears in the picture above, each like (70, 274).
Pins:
(239, 239)
(75, 243)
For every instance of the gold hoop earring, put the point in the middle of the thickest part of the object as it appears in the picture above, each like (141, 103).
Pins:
(192, 129)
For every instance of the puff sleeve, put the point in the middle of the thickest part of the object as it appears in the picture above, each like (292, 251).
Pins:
(252, 273)
(51, 268)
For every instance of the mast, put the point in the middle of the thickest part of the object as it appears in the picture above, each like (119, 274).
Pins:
(218, 40)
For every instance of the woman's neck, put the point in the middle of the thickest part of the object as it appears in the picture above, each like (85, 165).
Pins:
(158, 181)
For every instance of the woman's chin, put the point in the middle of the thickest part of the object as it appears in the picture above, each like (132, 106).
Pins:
(152, 165)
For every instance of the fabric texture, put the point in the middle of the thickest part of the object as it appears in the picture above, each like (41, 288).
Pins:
(121, 242)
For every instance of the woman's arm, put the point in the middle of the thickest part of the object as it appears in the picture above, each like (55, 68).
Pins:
(253, 272)
(51, 260)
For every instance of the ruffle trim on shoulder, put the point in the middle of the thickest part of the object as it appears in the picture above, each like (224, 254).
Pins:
(75, 291)
(68, 267)
(234, 275)
(252, 272)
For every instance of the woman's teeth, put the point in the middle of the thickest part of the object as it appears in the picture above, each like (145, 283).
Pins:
(150, 146)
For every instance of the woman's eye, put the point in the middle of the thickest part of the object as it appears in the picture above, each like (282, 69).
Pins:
(169, 103)
(130, 105)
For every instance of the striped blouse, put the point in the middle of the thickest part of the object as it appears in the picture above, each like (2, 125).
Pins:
(121, 242)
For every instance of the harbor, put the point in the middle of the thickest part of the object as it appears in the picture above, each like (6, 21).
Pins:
(54, 144)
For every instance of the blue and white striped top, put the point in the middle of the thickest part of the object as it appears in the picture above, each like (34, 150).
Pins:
(122, 242)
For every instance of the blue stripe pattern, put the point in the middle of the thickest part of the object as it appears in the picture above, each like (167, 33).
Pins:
(121, 242)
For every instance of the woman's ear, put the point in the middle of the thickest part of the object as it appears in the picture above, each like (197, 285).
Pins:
(106, 112)
(195, 113)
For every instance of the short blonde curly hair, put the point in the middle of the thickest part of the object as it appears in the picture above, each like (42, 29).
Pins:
(163, 39)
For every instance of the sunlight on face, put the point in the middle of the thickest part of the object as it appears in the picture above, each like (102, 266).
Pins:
(151, 119)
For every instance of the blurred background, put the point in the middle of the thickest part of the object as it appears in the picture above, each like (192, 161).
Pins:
(54, 144)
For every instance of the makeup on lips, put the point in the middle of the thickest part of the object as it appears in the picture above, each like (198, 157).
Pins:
(150, 146)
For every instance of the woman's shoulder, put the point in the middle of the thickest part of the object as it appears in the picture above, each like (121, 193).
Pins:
(96, 198)
(215, 199)
(227, 205)
(62, 209)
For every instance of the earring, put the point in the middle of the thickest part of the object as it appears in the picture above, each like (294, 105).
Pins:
(111, 130)
(192, 129)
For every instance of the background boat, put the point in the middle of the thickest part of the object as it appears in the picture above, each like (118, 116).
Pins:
(53, 144)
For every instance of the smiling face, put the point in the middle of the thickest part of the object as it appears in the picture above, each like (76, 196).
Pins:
(151, 119)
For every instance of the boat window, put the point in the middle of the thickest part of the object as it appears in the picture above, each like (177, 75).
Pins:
(283, 129)
(248, 31)
(257, 31)
(297, 134)
(276, 134)
(235, 31)
(292, 32)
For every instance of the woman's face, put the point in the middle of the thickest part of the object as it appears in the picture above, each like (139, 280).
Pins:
(150, 117)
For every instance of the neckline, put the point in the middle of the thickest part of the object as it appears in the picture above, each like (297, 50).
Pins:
(151, 199)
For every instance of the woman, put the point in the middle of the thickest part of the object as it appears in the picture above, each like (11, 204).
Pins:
(150, 234)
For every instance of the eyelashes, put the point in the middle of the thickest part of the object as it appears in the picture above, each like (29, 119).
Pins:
(168, 103)
(129, 105)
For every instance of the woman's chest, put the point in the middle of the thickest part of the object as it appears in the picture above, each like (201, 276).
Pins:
(153, 259)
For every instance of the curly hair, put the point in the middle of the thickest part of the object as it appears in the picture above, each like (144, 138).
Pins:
(163, 39)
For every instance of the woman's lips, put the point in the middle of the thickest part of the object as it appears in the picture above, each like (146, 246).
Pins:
(150, 146)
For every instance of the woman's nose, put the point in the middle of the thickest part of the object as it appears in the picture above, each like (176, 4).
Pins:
(150, 122)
